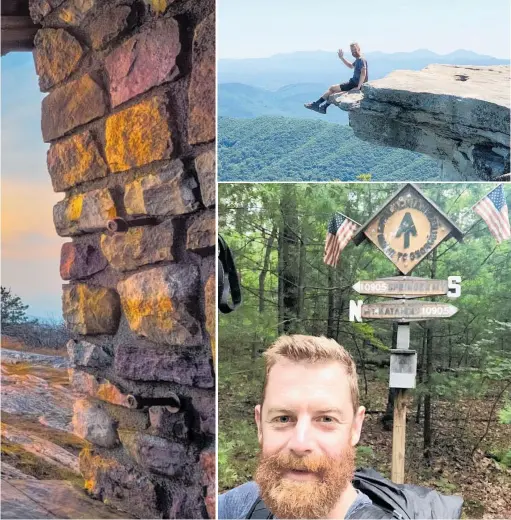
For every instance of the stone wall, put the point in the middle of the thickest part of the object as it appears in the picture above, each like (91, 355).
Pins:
(130, 118)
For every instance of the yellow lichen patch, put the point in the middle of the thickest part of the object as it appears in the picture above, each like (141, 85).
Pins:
(153, 311)
(74, 207)
(158, 6)
(138, 135)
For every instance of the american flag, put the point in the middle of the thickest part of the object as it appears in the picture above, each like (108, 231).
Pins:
(493, 210)
(340, 231)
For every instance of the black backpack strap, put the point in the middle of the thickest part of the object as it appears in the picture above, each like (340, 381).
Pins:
(373, 512)
(259, 510)
(228, 279)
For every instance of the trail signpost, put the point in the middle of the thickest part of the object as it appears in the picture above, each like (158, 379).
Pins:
(407, 228)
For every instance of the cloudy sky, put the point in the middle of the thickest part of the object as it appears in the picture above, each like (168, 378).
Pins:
(30, 245)
(268, 27)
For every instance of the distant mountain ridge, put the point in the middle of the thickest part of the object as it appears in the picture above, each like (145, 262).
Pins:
(325, 67)
(281, 84)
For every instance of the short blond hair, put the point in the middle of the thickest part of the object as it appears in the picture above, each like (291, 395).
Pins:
(355, 44)
(313, 349)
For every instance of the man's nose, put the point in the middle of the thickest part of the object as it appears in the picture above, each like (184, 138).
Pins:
(302, 440)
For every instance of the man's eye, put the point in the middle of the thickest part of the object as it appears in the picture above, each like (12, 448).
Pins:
(326, 419)
(283, 419)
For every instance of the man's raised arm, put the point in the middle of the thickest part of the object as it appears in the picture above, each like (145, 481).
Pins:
(340, 53)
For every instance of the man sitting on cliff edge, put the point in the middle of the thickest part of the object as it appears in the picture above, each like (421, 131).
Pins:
(360, 76)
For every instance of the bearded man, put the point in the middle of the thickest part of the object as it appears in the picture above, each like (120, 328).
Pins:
(309, 422)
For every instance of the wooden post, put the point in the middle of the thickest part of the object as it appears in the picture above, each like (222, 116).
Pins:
(399, 437)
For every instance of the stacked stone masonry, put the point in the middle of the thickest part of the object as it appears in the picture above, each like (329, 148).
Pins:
(130, 119)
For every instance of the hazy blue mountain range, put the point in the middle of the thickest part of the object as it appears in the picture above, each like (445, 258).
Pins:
(325, 68)
(287, 149)
(246, 101)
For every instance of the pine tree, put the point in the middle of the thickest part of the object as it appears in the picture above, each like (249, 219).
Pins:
(13, 309)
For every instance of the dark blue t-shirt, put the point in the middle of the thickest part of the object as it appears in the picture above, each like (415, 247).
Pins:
(359, 64)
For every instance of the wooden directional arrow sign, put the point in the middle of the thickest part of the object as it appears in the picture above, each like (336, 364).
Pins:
(405, 310)
(407, 228)
(402, 287)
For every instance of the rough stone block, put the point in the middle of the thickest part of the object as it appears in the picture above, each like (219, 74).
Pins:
(75, 160)
(144, 61)
(84, 212)
(205, 165)
(71, 105)
(201, 92)
(210, 308)
(205, 406)
(138, 135)
(39, 9)
(201, 233)
(123, 486)
(163, 364)
(155, 453)
(85, 354)
(127, 419)
(166, 192)
(207, 462)
(75, 11)
(167, 423)
(161, 304)
(80, 260)
(56, 56)
(92, 423)
(108, 25)
(90, 310)
(139, 246)
(87, 384)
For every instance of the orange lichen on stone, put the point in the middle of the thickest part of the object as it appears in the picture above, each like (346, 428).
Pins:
(75, 160)
(56, 55)
(154, 308)
(138, 135)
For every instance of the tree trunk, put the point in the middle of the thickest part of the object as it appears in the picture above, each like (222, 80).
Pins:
(331, 304)
(429, 365)
(301, 277)
(290, 258)
(266, 263)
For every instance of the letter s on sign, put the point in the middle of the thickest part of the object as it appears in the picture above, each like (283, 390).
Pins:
(454, 286)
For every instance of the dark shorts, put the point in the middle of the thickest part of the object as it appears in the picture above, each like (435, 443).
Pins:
(349, 85)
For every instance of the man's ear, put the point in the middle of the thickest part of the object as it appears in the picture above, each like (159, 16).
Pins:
(356, 427)
(257, 411)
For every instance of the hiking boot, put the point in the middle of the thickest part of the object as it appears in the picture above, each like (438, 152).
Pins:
(322, 109)
(313, 106)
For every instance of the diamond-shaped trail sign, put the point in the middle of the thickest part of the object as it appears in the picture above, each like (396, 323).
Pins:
(407, 228)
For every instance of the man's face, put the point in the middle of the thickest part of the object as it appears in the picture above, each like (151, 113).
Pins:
(307, 432)
(355, 51)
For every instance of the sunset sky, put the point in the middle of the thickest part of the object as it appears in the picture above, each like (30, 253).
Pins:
(30, 244)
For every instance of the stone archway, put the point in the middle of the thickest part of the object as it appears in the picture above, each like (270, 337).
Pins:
(130, 118)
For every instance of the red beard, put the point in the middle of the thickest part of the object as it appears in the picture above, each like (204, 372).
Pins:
(316, 498)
